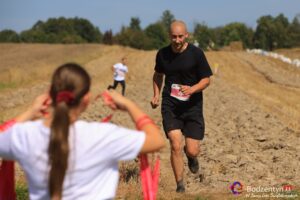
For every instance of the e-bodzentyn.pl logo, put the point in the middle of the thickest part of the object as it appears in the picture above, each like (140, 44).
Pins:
(284, 191)
(236, 188)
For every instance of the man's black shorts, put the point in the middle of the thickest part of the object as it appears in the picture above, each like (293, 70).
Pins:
(189, 119)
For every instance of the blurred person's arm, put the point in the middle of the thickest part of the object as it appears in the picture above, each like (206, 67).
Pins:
(157, 84)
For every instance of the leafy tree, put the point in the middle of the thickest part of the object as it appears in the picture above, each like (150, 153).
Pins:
(282, 38)
(32, 36)
(58, 26)
(203, 35)
(122, 37)
(272, 32)
(167, 18)
(216, 37)
(157, 34)
(133, 38)
(86, 30)
(294, 31)
(62, 30)
(9, 36)
(264, 34)
(108, 37)
(139, 40)
(38, 25)
(135, 24)
(236, 32)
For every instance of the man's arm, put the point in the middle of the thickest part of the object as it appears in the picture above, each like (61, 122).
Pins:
(157, 83)
(200, 86)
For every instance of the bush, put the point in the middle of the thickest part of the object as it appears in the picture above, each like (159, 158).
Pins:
(22, 192)
(9, 36)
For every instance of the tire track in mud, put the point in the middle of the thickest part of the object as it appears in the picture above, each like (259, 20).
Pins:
(269, 77)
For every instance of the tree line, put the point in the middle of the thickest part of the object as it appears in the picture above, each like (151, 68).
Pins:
(270, 33)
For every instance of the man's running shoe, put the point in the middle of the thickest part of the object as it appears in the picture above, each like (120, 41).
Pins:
(180, 187)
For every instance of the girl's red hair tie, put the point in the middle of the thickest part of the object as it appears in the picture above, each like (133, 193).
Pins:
(65, 96)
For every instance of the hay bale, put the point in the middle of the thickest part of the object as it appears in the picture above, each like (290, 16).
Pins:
(234, 46)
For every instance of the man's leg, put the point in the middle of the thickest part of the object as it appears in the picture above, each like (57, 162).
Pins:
(192, 149)
(123, 87)
(175, 138)
(113, 86)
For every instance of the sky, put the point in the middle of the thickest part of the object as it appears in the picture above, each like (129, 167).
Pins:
(20, 15)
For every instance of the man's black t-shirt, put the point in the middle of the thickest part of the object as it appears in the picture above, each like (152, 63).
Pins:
(185, 68)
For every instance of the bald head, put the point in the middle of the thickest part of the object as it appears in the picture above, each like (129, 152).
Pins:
(178, 25)
(178, 35)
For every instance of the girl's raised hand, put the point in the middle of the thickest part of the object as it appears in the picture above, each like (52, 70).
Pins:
(37, 108)
(114, 100)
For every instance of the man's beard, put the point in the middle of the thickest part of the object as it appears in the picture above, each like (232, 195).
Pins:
(178, 45)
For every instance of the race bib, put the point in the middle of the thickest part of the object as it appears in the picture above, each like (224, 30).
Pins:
(176, 93)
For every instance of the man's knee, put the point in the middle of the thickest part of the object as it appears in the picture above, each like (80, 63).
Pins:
(192, 151)
(175, 141)
(175, 146)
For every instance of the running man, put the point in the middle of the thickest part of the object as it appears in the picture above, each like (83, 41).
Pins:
(187, 73)
(120, 69)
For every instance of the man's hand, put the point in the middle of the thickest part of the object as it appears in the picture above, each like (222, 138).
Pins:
(157, 83)
(155, 102)
(187, 90)
(200, 86)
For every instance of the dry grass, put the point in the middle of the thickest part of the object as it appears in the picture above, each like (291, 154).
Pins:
(27, 64)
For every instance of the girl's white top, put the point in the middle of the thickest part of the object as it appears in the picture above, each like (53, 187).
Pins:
(95, 149)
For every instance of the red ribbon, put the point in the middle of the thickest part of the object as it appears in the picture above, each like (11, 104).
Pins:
(65, 96)
(7, 172)
(107, 118)
(149, 180)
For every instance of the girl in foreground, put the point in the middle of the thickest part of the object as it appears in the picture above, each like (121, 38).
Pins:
(67, 158)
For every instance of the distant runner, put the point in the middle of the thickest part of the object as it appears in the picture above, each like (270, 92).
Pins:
(187, 73)
(120, 70)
